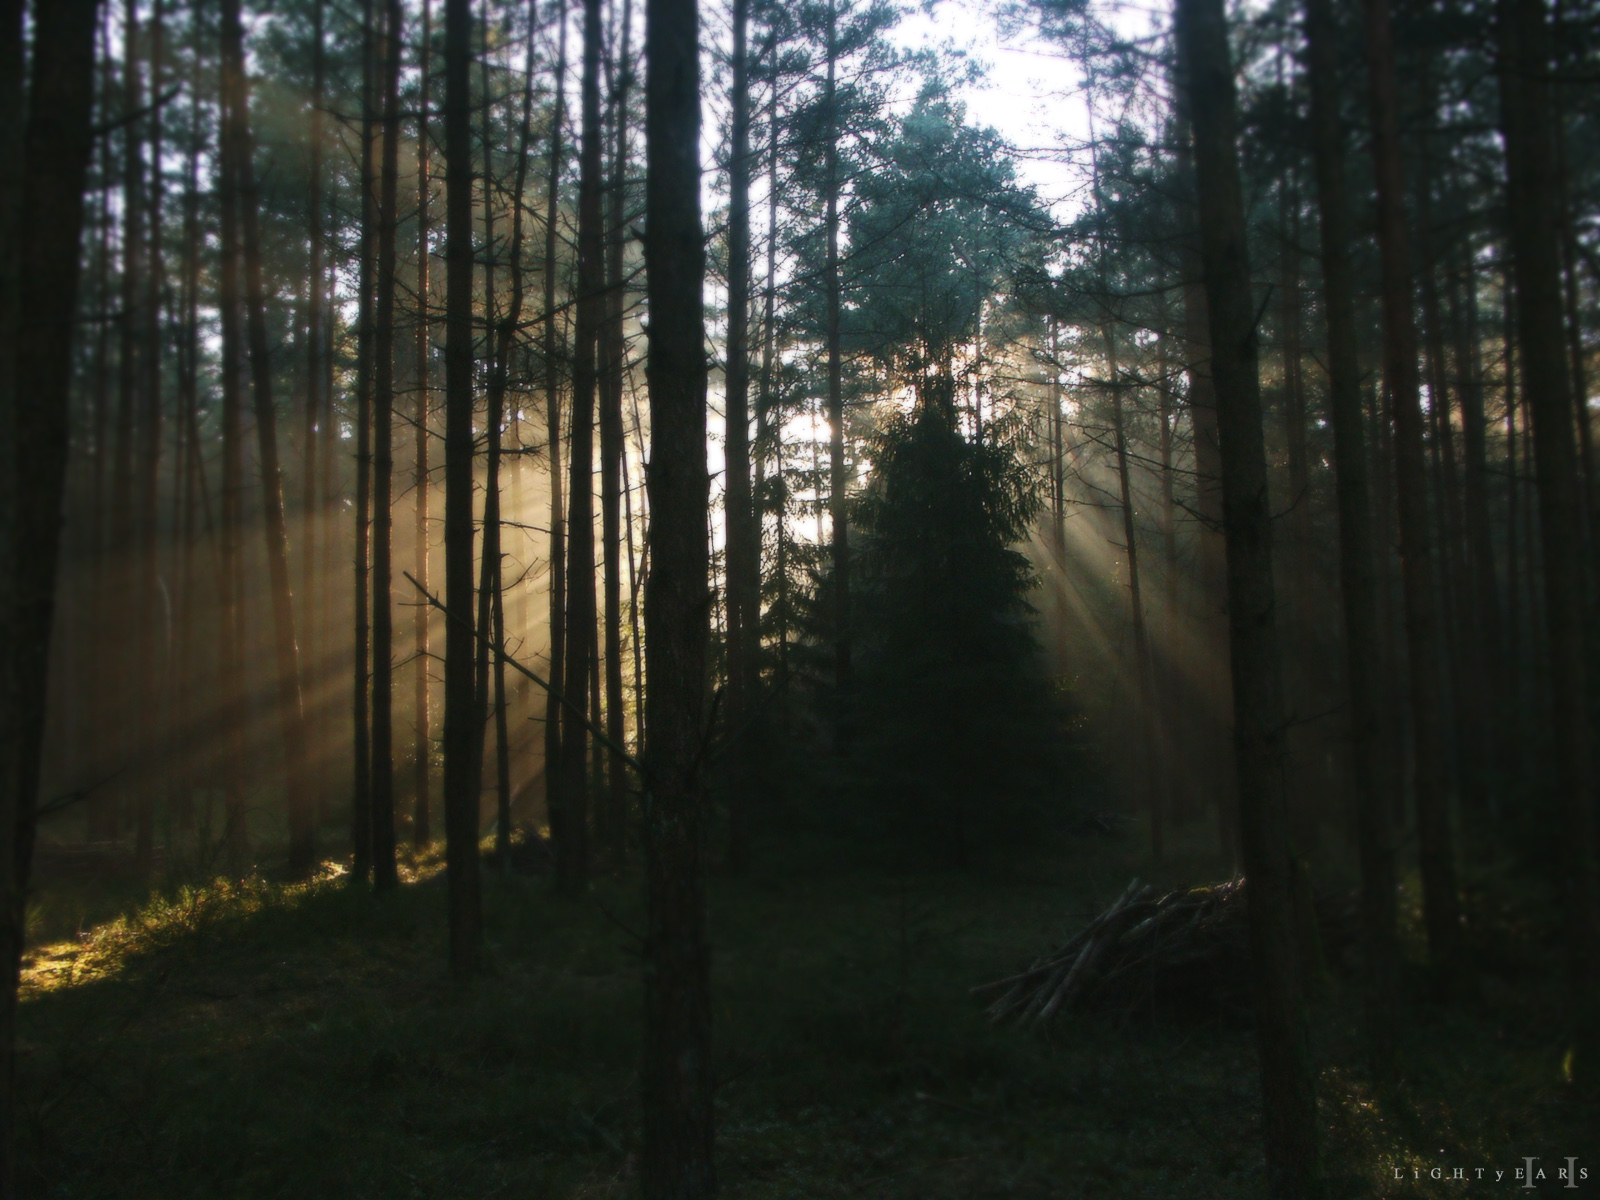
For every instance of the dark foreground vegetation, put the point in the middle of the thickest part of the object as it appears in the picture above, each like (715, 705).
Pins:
(304, 1040)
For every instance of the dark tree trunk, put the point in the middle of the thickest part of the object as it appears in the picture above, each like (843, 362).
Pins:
(147, 602)
(1209, 732)
(460, 710)
(838, 515)
(555, 809)
(302, 846)
(1357, 577)
(573, 852)
(1535, 233)
(1289, 1108)
(743, 529)
(385, 874)
(230, 662)
(613, 362)
(421, 819)
(676, 1074)
(1441, 907)
(313, 514)
(33, 442)
(361, 803)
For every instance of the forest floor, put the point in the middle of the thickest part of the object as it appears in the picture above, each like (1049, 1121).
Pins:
(304, 1041)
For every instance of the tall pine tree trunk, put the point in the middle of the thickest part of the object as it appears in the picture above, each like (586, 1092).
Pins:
(677, 1071)
(422, 751)
(573, 853)
(291, 715)
(1535, 232)
(361, 802)
(1289, 1108)
(385, 873)
(612, 364)
(43, 268)
(743, 531)
(1357, 575)
(460, 710)
(555, 809)
(1441, 907)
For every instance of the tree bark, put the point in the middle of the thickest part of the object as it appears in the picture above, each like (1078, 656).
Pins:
(838, 516)
(1289, 1109)
(291, 715)
(421, 817)
(676, 1074)
(1535, 233)
(460, 709)
(554, 808)
(613, 362)
(361, 803)
(34, 441)
(385, 873)
(743, 531)
(1357, 576)
(1441, 907)
(573, 853)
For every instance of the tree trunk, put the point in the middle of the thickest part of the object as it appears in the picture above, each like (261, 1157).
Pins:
(743, 529)
(676, 1074)
(361, 803)
(838, 516)
(33, 442)
(147, 602)
(460, 709)
(1288, 1096)
(555, 809)
(1535, 232)
(1441, 907)
(421, 818)
(302, 846)
(613, 362)
(385, 874)
(313, 514)
(1357, 576)
(230, 659)
(1209, 732)
(573, 853)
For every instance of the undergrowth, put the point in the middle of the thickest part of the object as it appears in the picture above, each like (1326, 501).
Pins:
(263, 1039)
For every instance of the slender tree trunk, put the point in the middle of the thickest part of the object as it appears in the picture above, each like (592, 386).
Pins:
(676, 1074)
(491, 572)
(460, 708)
(385, 873)
(123, 600)
(1216, 774)
(742, 528)
(1357, 577)
(613, 361)
(313, 516)
(837, 498)
(302, 846)
(555, 809)
(361, 805)
(1287, 1078)
(231, 656)
(33, 446)
(421, 821)
(1441, 907)
(573, 860)
(147, 601)
(1535, 233)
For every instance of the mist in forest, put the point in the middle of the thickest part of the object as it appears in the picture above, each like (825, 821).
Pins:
(823, 599)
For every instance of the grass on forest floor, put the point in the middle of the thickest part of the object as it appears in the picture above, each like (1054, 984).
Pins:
(303, 1041)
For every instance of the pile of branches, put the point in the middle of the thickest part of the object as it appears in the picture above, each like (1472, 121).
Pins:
(1150, 950)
